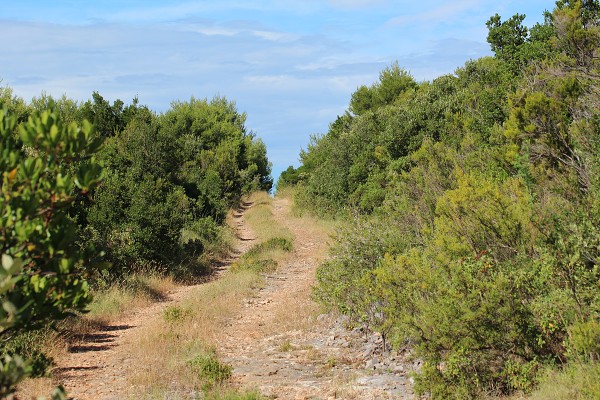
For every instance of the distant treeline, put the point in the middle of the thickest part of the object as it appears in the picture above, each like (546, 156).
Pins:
(475, 201)
(92, 192)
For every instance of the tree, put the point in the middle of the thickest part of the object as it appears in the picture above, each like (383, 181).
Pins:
(506, 37)
(45, 165)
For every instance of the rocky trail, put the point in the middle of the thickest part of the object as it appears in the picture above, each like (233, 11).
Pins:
(276, 342)
(279, 344)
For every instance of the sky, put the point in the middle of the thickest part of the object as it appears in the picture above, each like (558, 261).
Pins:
(290, 65)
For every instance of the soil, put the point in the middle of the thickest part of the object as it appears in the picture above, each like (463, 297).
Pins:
(278, 343)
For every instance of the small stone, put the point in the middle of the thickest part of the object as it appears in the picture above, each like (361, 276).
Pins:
(398, 369)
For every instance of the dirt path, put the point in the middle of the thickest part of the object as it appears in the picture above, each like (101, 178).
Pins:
(98, 366)
(276, 343)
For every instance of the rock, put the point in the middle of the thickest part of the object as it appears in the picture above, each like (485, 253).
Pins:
(372, 364)
(369, 350)
(356, 332)
(398, 369)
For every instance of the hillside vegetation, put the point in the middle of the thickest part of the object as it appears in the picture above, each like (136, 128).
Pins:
(474, 202)
(93, 194)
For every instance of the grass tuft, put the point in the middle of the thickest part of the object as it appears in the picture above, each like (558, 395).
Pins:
(174, 314)
(209, 370)
(135, 291)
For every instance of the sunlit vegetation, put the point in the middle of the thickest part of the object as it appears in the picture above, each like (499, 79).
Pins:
(473, 203)
(471, 209)
(112, 200)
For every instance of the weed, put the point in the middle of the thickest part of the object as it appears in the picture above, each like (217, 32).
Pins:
(331, 362)
(209, 370)
(286, 346)
(173, 314)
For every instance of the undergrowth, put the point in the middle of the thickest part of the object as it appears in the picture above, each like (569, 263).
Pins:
(575, 381)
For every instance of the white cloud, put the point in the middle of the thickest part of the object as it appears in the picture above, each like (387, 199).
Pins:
(213, 30)
(438, 14)
(275, 36)
(291, 84)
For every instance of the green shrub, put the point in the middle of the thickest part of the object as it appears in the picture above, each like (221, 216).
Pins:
(46, 164)
(174, 314)
(584, 341)
(209, 370)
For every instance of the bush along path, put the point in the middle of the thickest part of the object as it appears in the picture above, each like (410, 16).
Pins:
(279, 344)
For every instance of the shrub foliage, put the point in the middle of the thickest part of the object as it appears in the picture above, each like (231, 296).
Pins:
(475, 201)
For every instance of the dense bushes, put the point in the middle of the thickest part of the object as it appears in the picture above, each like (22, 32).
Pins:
(475, 200)
(170, 180)
(83, 205)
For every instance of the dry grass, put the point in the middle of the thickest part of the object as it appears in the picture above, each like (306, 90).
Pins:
(296, 314)
(109, 305)
(191, 329)
(36, 387)
(178, 337)
(137, 291)
(260, 219)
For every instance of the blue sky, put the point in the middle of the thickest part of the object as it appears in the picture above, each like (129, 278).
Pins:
(290, 65)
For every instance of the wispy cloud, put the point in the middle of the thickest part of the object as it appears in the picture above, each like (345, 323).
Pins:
(443, 12)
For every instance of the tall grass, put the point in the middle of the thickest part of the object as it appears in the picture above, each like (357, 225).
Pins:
(135, 291)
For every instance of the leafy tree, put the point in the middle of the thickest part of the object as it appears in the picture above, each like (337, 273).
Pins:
(44, 268)
(506, 37)
(168, 176)
(394, 83)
